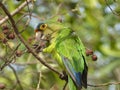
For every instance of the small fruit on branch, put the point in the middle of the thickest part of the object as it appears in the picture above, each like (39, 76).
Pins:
(4, 40)
(89, 52)
(18, 53)
(94, 57)
(11, 36)
(2, 86)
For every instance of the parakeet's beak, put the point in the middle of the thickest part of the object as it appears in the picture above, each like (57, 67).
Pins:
(38, 35)
(36, 30)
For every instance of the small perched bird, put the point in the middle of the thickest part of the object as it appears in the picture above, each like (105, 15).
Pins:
(67, 49)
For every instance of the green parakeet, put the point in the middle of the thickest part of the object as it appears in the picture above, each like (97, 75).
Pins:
(67, 49)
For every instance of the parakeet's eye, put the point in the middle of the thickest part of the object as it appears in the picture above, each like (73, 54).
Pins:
(43, 26)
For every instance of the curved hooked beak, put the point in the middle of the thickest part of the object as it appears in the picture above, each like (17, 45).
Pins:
(39, 35)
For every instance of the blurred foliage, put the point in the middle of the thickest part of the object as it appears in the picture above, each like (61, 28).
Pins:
(93, 21)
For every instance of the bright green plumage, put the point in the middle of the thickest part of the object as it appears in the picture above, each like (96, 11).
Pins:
(66, 47)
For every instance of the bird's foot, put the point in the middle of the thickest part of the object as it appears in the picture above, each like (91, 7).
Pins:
(64, 76)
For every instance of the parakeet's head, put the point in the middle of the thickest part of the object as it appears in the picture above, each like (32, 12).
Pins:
(47, 28)
(42, 30)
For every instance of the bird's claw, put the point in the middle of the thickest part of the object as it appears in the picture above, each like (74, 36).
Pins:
(64, 76)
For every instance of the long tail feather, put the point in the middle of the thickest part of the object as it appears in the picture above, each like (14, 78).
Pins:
(84, 74)
(75, 78)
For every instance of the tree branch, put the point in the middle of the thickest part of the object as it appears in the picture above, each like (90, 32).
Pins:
(24, 42)
(15, 11)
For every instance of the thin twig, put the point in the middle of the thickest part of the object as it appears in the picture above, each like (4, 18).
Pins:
(29, 9)
(24, 42)
(38, 85)
(15, 50)
(112, 9)
(15, 11)
(27, 63)
(105, 84)
(16, 76)
(57, 10)
(10, 58)
(27, 22)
